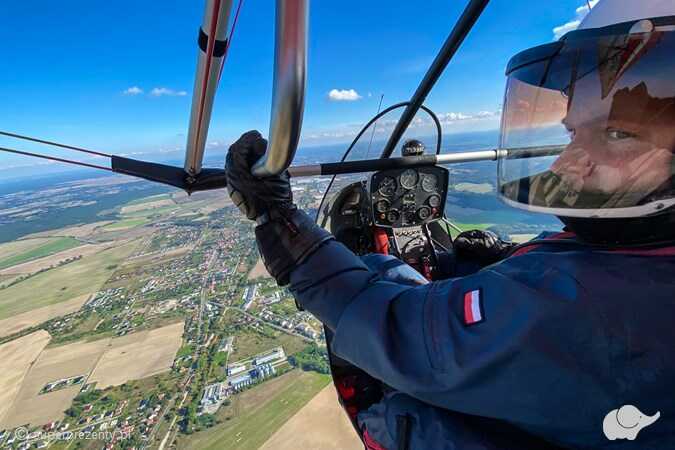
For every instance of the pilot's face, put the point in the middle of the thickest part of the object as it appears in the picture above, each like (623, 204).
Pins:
(615, 151)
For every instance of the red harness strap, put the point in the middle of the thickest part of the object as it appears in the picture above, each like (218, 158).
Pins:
(381, 240)
(371, 444)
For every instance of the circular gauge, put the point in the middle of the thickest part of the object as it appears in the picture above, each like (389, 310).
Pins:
(409, 179)
(434, 201)
(393, 216)
(429, 182)
(382, 206)
(424, 212)
(387, 186)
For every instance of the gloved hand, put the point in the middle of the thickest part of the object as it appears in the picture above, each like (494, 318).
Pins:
(481, 246)
(286, 236)
(255, 197)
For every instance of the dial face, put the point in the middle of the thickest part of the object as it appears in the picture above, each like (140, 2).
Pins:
(382, 206)
(387, 186)
(409, 179)
(424, 212)
(393, 215)
(429, 182)
(434, 201)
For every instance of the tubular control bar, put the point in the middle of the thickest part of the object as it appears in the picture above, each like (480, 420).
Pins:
(371, 165)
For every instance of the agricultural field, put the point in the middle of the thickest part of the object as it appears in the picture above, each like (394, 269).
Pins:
(138, 355)
(105, 362)
(135, 319)
(147, 205)
(126, 223)
(258, 271)
(256, 414)
(16, 358)
(50, 247)
(37, 316)
(321, 424)
(149, 199)
(467, 227)
(53, 260)
(63, 283)
(10, 249)
(80, 231)
(53, 364)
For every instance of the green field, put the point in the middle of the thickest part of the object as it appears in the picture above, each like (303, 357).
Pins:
(468, 226)
(50, 247)
(257, 413)
(126, 223)
(63, 283)
(8, 249)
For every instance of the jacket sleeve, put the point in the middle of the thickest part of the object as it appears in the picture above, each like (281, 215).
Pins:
(417, 339)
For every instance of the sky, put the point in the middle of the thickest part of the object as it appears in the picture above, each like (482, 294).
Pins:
(118, 76)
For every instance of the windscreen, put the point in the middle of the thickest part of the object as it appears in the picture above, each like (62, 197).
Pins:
(590, 129)
(369, 145)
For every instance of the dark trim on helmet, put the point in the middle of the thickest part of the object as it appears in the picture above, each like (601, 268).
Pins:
(534, 55)
(547, 51)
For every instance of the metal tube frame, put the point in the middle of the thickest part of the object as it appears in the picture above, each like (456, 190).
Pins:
(288, 101)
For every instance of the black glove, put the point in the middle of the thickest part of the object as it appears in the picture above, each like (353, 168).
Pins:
(286, 236)
(480, 246)
(255, 197)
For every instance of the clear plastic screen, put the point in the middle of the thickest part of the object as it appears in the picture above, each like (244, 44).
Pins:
(590, 131)
(369, 146)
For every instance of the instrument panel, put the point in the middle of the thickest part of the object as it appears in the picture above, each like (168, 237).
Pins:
(408, 197)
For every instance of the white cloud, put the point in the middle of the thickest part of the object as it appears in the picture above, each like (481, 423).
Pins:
(343, 95)
(558, 32)
(580, 13)
(133, 90)
(160, 91)
(421, 124)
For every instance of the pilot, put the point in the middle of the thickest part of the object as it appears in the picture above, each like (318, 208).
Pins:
(535, 348)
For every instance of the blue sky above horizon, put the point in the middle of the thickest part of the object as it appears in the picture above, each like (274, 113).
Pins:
(117, 76)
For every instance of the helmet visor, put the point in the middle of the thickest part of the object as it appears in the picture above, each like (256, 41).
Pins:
(589, 128)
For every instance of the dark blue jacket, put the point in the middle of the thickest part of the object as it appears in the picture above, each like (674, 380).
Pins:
(567, 335)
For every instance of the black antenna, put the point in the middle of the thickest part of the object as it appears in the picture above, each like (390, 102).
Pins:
(466, 21)
(374, 126)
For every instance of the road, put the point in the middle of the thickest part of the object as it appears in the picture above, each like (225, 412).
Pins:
(191, 372)
(173, 422)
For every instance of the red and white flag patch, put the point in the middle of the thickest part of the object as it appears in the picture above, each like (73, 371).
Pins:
(473, 307)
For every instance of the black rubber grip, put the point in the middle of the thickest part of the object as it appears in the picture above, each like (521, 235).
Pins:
(219, 47)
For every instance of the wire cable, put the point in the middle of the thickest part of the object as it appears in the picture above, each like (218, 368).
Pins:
(55, 144)
(54, 158)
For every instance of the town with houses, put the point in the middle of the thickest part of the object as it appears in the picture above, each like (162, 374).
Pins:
(183, 326)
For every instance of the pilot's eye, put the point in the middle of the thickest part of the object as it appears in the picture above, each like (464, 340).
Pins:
(614, 134)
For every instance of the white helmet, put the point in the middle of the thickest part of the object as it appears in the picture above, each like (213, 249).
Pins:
(611, 12)
(589, 122)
